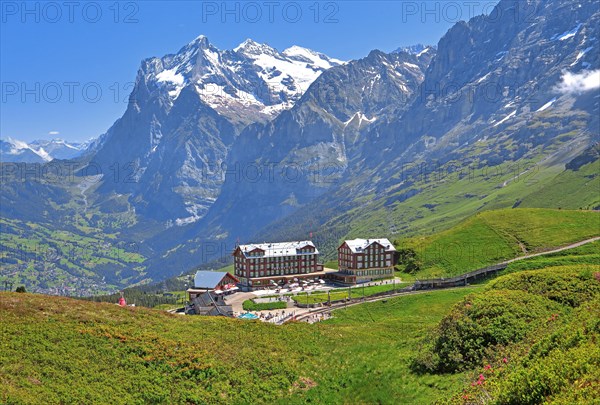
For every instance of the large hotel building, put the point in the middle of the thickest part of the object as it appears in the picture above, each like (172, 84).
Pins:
(267, 264)
(361, 260)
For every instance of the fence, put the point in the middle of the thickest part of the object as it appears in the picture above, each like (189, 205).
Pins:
(458, 280)
(353, 300)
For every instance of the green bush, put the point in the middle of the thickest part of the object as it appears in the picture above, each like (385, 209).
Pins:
(569, 285)
(564, 364)
(479, 325)
(409, 261)
(551, 360)
(559, 365)
(250, 305)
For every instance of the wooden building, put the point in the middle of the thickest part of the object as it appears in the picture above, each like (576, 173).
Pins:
(217, 281)
(209, 304)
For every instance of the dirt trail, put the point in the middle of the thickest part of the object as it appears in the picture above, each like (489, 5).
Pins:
(342, 305)
(571, 246)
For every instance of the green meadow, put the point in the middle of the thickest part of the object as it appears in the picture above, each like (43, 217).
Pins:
(494, 236)
(531, 333)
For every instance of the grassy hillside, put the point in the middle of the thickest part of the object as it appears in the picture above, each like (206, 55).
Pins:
(583, 255)
(542, 317)
(493, 236)
(83, 352)
(424, 198)
(78, 260)
(569, 189)
(528, 338)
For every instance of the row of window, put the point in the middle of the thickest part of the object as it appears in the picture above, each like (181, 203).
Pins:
(275, 265)
(370, 249)
(288, 268)
(388, 263)
(278, 259)
(366, 258)
(377, 272)
(368, 265)
(278, 272)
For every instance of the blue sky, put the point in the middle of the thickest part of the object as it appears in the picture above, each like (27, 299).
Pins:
(67, 67)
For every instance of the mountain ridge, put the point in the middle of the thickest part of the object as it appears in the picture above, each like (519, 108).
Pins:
(41, 150)
(386, 145)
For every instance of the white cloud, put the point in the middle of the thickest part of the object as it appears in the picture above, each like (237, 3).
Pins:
(53, 133)
(577, 83)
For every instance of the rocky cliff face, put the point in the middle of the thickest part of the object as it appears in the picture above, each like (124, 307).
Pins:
(277, 167)
(184, 114)
(257, 144)
(520, 85)
(501, 70)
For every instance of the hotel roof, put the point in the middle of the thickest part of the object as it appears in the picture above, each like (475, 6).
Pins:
(279, 249)
(359, 245)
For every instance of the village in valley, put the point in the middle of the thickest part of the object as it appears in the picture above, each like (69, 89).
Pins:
(279, 282)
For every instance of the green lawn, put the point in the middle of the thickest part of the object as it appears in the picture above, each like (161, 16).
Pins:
(74, 351)
(332, 264)
(250, 305)
(342, 293)
(374, 344)
(77, 351)
(494, 236)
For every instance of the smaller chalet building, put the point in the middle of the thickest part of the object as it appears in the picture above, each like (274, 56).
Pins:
(362, 260)
(218, 282)
(270, 264)
(209, 304)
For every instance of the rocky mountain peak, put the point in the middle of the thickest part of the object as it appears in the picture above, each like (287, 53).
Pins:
(251, 48)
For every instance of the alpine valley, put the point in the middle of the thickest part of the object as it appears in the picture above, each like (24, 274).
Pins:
(251, 144)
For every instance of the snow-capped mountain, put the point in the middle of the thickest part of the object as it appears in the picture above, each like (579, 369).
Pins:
(61, 149)
(39, 151)
(381, 137)
(417, 50)
(318, 140)
(252, 79)
(185, 112)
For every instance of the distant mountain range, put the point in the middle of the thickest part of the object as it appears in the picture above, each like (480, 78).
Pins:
(418, 49)
(253, 144)
(40, 151)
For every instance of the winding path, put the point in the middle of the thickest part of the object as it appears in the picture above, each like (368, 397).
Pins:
(305, 317)
(547, 252)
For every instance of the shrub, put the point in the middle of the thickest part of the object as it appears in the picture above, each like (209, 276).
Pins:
(408, 258)
(478, 325)
(20, 289)
(567, 285)
(250, 305)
